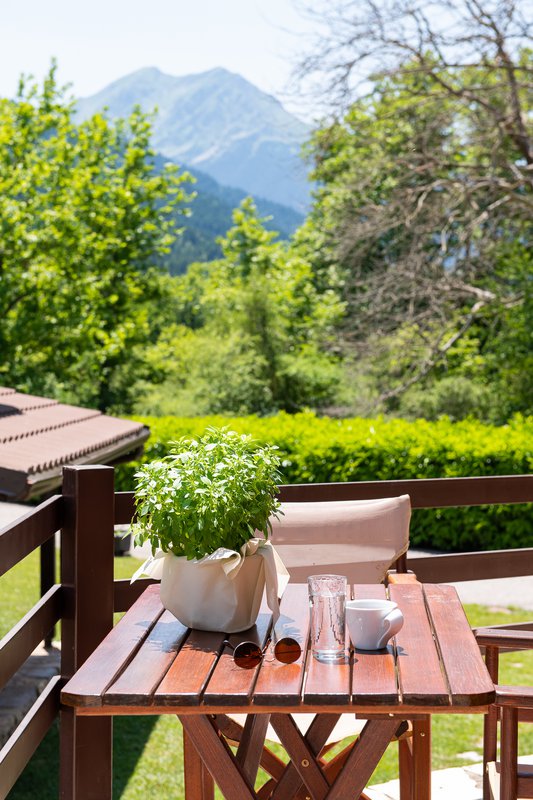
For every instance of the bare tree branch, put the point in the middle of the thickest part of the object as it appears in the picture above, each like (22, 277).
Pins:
(426, 183)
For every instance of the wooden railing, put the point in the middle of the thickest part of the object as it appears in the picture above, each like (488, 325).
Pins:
(441, 493)
(86, 596)
(16, 542)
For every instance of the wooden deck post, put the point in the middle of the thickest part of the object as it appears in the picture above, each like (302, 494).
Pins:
(87, 546)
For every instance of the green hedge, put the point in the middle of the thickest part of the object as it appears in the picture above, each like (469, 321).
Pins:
(320, 450)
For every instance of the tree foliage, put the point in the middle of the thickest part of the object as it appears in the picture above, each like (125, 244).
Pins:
(83, 216)
(252, 332)
(426, 185)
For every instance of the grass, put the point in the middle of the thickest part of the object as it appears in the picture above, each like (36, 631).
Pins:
(148, 750)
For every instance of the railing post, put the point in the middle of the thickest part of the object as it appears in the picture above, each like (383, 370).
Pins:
(87, 548)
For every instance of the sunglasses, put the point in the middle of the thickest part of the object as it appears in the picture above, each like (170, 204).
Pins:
(248, 655)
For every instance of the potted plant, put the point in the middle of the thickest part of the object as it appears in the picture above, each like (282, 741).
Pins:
(205, 509)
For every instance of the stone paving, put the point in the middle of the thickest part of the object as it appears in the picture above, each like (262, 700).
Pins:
(462, 783)
(19, 694)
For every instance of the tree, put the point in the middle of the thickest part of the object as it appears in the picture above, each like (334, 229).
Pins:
(425, 180)
(83, 217)
(253, 334)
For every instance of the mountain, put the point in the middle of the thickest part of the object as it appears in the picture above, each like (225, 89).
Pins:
(211, 217)
(219, 123)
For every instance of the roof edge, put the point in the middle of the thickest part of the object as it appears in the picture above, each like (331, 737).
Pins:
(39, 483)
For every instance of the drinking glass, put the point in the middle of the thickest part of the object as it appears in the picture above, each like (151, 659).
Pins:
(327, 600)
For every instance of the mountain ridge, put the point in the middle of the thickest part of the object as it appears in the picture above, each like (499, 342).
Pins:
(220, 123)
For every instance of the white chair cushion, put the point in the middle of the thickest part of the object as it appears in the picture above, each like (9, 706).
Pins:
(357, 538)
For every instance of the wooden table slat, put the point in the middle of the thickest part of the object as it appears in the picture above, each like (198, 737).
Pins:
(190, 671)
(373, 672)
(467, 676)
(136, 684)
(282, 683)
(148, 662)
(106, 662)
(230, 685)
(417, 654)
(329, 683)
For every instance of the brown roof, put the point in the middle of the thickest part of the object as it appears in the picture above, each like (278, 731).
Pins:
(38, 436)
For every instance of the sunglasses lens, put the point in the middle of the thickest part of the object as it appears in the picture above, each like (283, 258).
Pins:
(247, 655)
(287, 650)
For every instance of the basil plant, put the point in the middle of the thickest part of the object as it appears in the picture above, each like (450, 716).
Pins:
(214, 491)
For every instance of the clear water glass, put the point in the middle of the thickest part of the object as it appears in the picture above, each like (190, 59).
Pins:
(327, 601)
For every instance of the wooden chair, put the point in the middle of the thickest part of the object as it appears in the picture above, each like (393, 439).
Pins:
(505, 779)
(361, 539)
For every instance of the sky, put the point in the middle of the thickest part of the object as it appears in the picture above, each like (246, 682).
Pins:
(98, 41)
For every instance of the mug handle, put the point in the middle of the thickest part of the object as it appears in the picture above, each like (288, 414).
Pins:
(392, 624)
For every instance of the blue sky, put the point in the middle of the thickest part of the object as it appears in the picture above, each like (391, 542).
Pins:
(97, 41)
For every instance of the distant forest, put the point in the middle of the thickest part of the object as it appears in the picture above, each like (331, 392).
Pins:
(211, 217)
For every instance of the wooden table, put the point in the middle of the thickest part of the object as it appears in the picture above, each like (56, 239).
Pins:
(151, 664)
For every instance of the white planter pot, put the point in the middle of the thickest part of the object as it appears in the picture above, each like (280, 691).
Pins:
(201, 595)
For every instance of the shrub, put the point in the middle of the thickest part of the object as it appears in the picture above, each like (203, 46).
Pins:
(322, 450)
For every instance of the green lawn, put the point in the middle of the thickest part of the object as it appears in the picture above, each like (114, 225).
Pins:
(148, 751)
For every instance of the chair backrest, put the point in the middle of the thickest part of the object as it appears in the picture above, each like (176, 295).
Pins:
(358, 538)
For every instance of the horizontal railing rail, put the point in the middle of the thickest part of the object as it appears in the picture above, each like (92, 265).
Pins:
(475, 566)
(25, 739)
(19, 539)
(20, 642)
(424, 492)
(126, 593)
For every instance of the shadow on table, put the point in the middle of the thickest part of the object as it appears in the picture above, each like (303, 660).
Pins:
(40, 779)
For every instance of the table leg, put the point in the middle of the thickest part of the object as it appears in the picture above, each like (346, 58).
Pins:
(422, 759)
(405, 763)
(363, 759)
(272, 765)
(233, 774)
(302, 758)
(490, 723)
(509, 754)
(218, 758)
(251, 745)
(198, 782)
(291, 780)
(352, 778)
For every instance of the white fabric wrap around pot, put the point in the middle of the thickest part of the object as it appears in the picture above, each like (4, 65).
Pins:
(222, 591)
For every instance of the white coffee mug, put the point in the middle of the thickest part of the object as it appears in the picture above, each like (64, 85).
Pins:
(372, 622)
